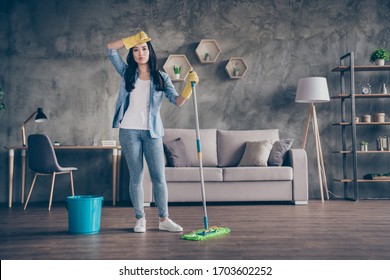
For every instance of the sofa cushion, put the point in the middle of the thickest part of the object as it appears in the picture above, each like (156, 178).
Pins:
(208, 139)
(191, 174)
(269, 173)
(231, 143)
(279, 151)
(175, 153)
(256, 153)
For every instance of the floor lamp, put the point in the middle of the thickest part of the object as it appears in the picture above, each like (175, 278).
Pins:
(314, 90)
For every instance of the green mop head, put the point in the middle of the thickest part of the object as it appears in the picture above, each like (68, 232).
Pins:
(203, 234)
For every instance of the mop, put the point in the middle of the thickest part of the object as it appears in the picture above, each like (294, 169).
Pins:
(207, 232)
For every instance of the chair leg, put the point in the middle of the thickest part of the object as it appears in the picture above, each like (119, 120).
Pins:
(71, 182)
(52, 189)
(31, 188)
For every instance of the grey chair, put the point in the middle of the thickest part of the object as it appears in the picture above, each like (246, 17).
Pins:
(43, 161)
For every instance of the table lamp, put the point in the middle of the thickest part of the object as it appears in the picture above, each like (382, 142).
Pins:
(39, 117)
(314, 90)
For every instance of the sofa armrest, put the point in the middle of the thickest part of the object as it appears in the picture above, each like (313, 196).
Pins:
(297, 159)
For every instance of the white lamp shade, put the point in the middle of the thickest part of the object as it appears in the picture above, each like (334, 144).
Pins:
(312, 90)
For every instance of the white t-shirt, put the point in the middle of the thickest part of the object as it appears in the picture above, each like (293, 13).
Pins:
(137, 114)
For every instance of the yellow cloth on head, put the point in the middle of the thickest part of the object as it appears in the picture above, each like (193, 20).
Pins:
(136, 39)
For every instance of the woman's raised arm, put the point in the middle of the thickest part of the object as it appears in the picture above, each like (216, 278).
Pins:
(116, 45)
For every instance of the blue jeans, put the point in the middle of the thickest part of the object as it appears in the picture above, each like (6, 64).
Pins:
(135, 145)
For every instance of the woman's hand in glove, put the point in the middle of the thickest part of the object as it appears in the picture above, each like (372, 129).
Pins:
(187, 91)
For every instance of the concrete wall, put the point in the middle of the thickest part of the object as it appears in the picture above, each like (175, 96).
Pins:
(52, 55)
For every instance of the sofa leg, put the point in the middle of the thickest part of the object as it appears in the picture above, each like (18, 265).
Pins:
(301, 202)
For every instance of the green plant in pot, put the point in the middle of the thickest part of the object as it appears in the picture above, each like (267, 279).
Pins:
(379, 56)
(236, 70)
(176, 71)
(364, 146)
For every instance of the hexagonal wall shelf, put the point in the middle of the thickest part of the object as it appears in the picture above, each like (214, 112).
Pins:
(177, 60)
(236, 68)
(207, 51)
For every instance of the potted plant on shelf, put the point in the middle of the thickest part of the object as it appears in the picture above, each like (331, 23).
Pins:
(236, 70)
(176, 71)
(379, 56)
(364, 146)
(206, 57)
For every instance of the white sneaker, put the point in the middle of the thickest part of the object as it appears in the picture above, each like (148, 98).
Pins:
(169, 225)
(140, 225)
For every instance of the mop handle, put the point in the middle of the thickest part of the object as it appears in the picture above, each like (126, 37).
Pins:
(199, 149)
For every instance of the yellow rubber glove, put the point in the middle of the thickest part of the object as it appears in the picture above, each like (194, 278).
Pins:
(136, 39)
(187, 91)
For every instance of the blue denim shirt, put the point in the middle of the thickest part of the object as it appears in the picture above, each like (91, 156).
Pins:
(156, 97)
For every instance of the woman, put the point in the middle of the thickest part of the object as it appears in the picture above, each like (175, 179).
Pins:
(137, 114)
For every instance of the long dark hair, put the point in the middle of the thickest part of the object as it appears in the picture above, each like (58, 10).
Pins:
(132, 67)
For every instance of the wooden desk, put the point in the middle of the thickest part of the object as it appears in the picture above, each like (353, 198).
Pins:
(116, 156)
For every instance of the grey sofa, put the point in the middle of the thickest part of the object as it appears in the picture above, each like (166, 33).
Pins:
(226, 182)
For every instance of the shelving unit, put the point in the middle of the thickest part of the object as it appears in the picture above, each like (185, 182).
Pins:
(347, 72)
(177, 59)
(236, 63)
(208, 51)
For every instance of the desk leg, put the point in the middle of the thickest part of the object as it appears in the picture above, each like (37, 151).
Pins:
(23, 174)
(114, 174)
(11, 156)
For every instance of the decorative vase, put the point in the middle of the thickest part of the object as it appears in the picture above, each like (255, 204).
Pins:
(379, 117)
(384, 89)
(379, 62)
(177, 76)
(366, 118)
(364, 147)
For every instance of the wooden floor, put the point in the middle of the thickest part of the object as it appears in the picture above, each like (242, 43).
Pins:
(336, 230)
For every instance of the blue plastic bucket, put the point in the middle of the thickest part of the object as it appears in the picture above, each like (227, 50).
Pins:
(84, 213)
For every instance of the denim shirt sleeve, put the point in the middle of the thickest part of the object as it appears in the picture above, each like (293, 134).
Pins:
(120, 67)
(117, 61)
(170, 91)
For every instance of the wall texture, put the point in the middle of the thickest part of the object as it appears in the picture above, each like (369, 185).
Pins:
(52, 55)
